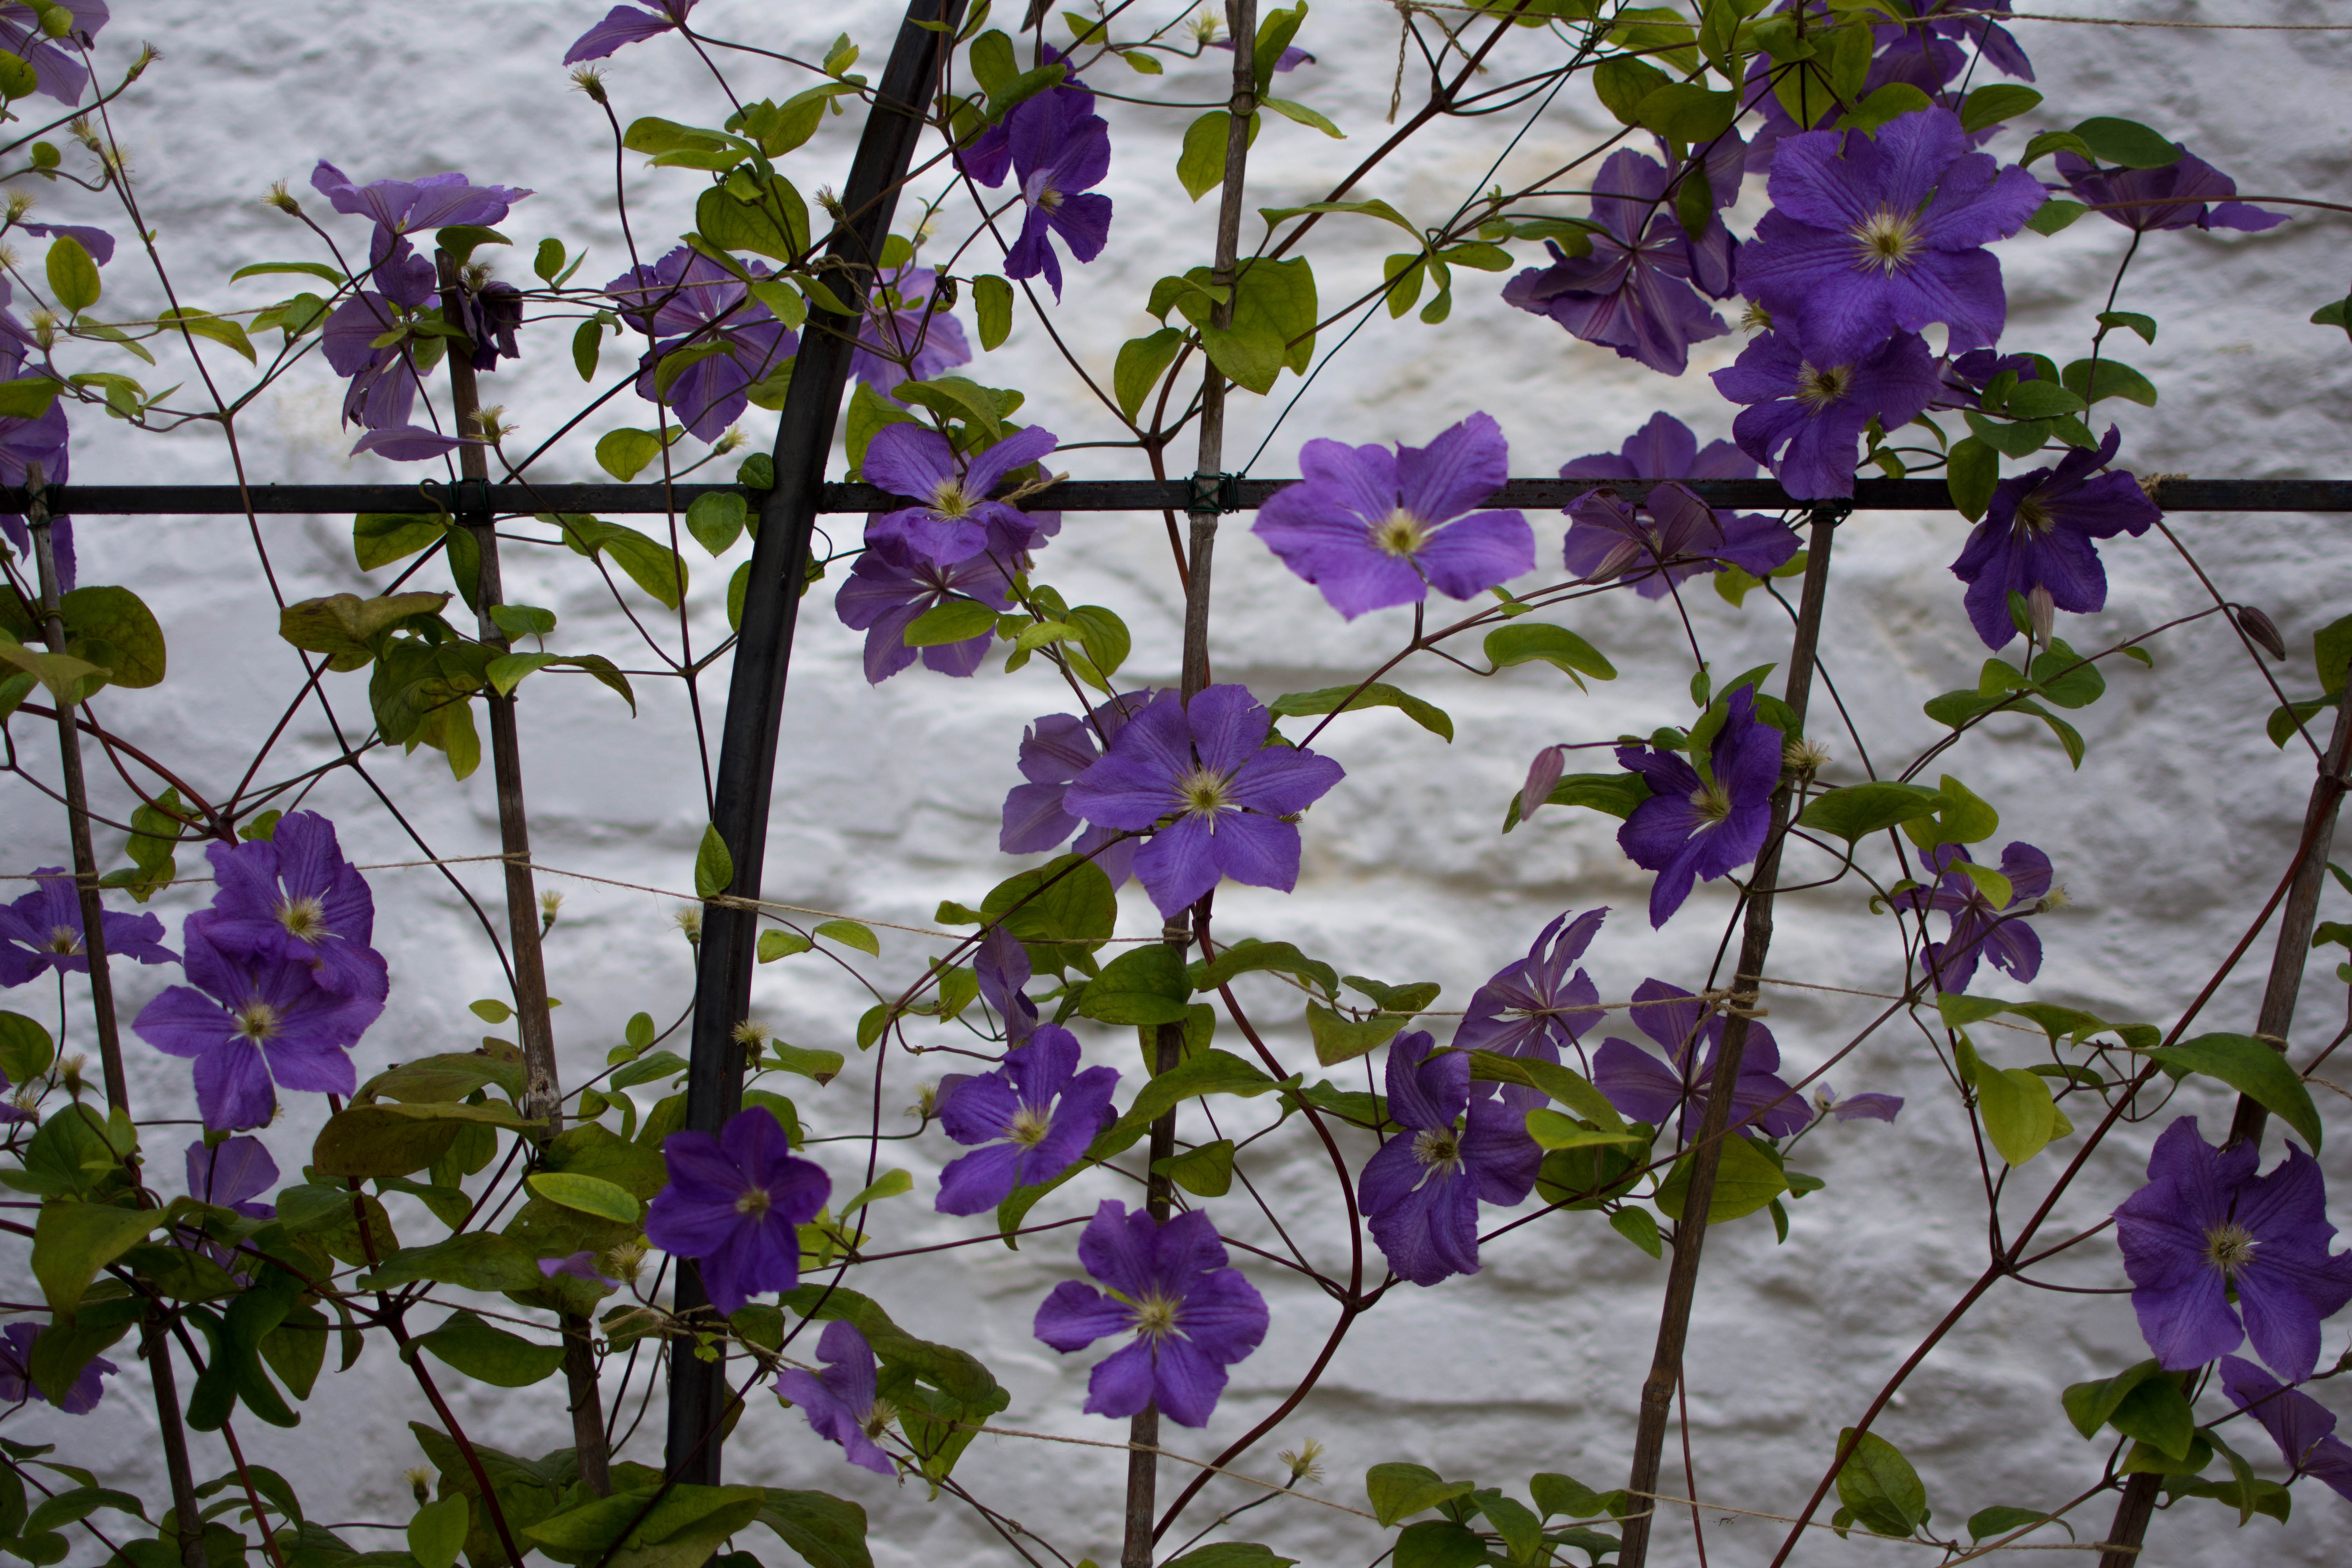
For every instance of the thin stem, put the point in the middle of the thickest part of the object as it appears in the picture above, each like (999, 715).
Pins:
(155, 1348)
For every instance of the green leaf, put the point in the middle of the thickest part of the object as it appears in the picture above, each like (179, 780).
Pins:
(1616, 794)
(1104, 636)
(1439, 1544)
(1623, 83)
(1230, 1554)
(1332, 699)
(1565, 1497)
(2144, 325)
(1250, 955)
(1685, 111)
(1303, 115)
(308, 268)
(1144, 985)
(72, 1241)
(827, 1531)
(1562, 1084)
(1200, 167)
(344, 626)
(1746, 1178)
(775, 944)
(714, 867)
(1553, 1130)
(26, 1050)
(120, 619)
(774, 221)
(1636, 1226)
(2255, 1070)
(716, 519)
(1859, 810)
(2015, 1105)
(1339, 1038)
(1141, 364)
(204, 324)
(2094, 380)
(394, 1140)
(2090, 1405)
(589, 1194)
(2042, 400)
(1999, 1519)
(1206, 1171)
(437, 1532)
(28, 397)
(2126, 143)
(1062, 911)
(2010, 440)
(889, 1184)
(850, 933)
(487, 1355)
(1210, 1072)
(1993, 104)
(954, 621)
(73, 276)
(1398, 1491)
(2055, 214)
(2156, 1413)
(586, 342)
(991, 302)
(1523, 642)
(474, 1260)
(381, 538)
(647, 1528)
(1878, 1484)
(624, 454)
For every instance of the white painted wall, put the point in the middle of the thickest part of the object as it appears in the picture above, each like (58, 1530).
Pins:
(2169, 836)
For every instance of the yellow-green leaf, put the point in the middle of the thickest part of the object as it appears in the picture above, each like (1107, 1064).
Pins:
(589, 1194)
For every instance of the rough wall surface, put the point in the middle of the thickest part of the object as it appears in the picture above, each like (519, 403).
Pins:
(2169, 836)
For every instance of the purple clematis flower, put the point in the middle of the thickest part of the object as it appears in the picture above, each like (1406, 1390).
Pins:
(2304, 1428)
(1915, 59)
(1638, 290)
(231, 1175)
(915, 342)
(1617, 539)
(248, 1020)
(1192, 1315)
(43, 931)
(17, 1383)
(1030, 1120)
(581, 1265)
(2036, 538)
(1061, 149)
(988, 157)
(1054, 751)
(492, 317)
(1694, 829)
(1807, 415)
(1872, 235)
(685, 301)
(1533, 1007)
(409, 206)
(1224, 792)
(1646, 1089)
(734, 1203)
(1979, 930)
(1002, 968)
(1852, 1107)
(293, 896)
(2206, 1224)
(97, 241)
(882, 600)
(1421, 1191)
(41, 441)
(1373, 527)
(62, 74)
(2189, 193)
(1966, 21)
(1290, 59)
(953, 519)
(839, 1401)
(626, 24)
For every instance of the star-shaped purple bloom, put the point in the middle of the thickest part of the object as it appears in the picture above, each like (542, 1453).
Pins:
(581, 1266)
(294, 896)
(1226, 796)
(988, 158)
(1638, 291)
(1420, 1191)
(1054, 751)
(1872, 235)
(1191, 1315)
(2189, 193)
(1649, 1090)
(2204, 1224)
(624, 24)
(1979, 930)
(915, 342)
(883, 599)
(231, 1175)
(1061, 149)
(2304, 1428)
(1808, 412)
(1002, 967)
(1693, 829)
(734, 1204)
(248, 1020)
(953, 519)
(1854, 1107)
(839, 1401)
(1027, 1121)
(2037, 536)
(43, 931)
(1373, 527)
(1915, 59)
(1533, 1007)
(17, 1383)
(688, 302)
(409, 206)
(1966, 21)
(1609, 540)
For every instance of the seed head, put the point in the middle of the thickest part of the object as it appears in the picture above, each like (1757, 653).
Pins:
(1804, 757)
(1306, 1464)
(590, 80)
(625, 1261)
(19, 204)
(690, 921)
(549, 904)
(69, 1071)
(729, 441)
(2056, 898)
(927, 1102)
(283, 200)
(420, 1482)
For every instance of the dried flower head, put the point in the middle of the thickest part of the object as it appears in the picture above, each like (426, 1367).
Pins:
(283, 200)
(829, 200)
(1805, 756)
(927, 1102)
(2056, 898)
(70, 1073)
(420, 1482)
(474, 275)
(490, 423)
(689, 920)
(19, 204)
(727, 443)
(625, 1261)
(549, 906)
(148, 55)
(1306, 1464)
(44, 323)
(590, 80)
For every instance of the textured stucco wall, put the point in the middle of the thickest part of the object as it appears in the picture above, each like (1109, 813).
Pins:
(2167, 838)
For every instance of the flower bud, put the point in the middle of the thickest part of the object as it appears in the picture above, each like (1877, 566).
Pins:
(70, 1073)
(148, 55)
(2041, 615)
(2261, 630)
(1542, 774)
(420, 1483)
(549, 904)
(727, 443)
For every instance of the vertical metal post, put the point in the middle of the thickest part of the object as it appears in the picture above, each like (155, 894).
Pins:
(755, 692)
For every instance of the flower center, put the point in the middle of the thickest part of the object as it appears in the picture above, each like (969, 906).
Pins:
(1817, 389)
(878, 1417)
(1028, 1127)
(2230, 1246)
(302, 917)
(256, 1020)
(1885, 240)
(2032, 517)
(1203, 790)
(1438, 1148)
(1711, 804)
(64, 939)
(755, 1202)
(949, 499)
(1155, 1315)
(1399, 533)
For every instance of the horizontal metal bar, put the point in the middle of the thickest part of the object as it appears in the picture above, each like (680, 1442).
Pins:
(1076, 494)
